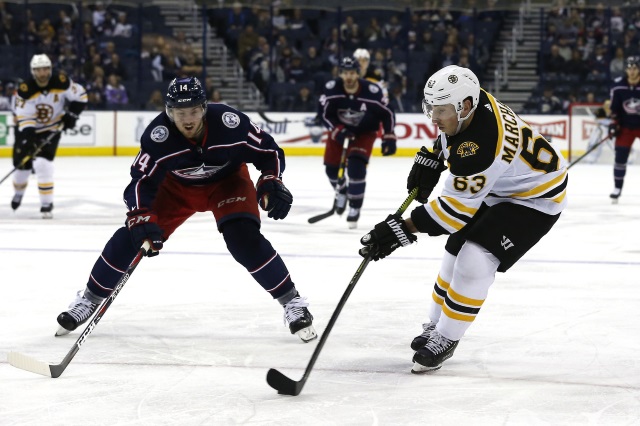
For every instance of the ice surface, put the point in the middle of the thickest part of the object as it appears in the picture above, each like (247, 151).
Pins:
(191, 336)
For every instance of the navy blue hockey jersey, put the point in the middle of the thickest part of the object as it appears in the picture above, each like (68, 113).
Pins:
(360, 112)
(625, 103)
(230, 140)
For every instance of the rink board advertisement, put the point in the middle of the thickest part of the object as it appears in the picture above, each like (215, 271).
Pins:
(118, 132)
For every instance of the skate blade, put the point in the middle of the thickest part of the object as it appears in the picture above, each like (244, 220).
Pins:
(62, 331)
(421, 369)
(47, 215)
(614, 201)
(307, 334)
(352, 225)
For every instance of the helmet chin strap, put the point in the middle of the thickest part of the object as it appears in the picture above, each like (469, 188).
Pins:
(461, 120)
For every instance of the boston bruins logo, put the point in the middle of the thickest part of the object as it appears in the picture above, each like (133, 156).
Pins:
(453, 79)
(467, 149)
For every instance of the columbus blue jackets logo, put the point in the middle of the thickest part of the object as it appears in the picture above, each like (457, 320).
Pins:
(349, 117)
(631, 106)
(159, 134)
(230, 119)
(200, 172)
(467, 149)
(374, 88)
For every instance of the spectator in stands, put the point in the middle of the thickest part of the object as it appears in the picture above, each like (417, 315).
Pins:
(115, 93)
(373, 32)
(216, 97)
(115, 67)
(122, 28)
(348, 28)
(554, 62)
(98, 17)
(599, 61)
(5, 101)
(617, 21)
(550, 103)
(247, 42)
(192, 65)
(165, 66)
(564, 47)
(448, 56)
(87, 37)
(155, 102)
(488, 13)
(398, 100)
(278, 20)
(575, 65)
(298, 72)
(312, 60)
(617, 64)
(304, 101)
(95, 93)
(45, 29)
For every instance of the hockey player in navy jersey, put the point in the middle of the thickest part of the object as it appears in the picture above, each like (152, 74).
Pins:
(506, 189)
(193, 159)
(353, 109)
(625, 116)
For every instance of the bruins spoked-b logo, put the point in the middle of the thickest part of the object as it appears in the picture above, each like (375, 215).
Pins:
(453, 79)
(467, 149)
(159, 134)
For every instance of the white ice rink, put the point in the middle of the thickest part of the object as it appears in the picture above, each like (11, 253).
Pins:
(191, 336)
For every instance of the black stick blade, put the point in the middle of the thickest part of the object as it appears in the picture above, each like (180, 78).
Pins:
(283, 384)
(320, 217)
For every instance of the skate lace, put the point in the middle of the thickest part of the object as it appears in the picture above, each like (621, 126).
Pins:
(438, 343)
(81, 309)
(295, 309)
(428, 327)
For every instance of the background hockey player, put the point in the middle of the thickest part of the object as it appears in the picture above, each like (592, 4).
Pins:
(625, 116)
(353, 110)
(193, 159)
(44, 104)
(506, 189)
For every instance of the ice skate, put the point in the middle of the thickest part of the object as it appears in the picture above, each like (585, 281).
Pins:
(47, 211)
(299, 319)
(352, 217)
(80, 310)
(615, 195)
(16, 201)
(421, 340)
(437, 350)
(340, 202)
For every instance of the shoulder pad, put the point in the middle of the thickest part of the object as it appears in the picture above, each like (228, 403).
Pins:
(26, 89)
(374, 88)
(59, 81)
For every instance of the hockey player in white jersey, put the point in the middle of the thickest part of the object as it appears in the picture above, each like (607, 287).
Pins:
(44, 105)
(505, 191)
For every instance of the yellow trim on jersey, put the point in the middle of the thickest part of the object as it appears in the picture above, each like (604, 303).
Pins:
(464, 299)
(445, 217)
(457, 316)
(456, 204)
(496, 113)
(544, 187)
(560, 197)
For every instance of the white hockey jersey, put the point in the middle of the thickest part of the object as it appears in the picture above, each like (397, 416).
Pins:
(498, 158)
(43, 107)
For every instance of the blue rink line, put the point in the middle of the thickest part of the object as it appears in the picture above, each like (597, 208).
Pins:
(327, 256)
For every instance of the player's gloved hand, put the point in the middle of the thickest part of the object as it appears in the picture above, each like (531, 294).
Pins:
(312, 121)
(388, 144)
(273, 196)
(425, 174)
(27, 143)
(385, 237)
(69, 120)
(143, 226)
(340, 133)
(614, 129)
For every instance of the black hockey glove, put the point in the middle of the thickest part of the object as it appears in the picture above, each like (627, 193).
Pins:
(340, 133)
(386, 237)
(143, 226)
(69, 120)
(614, 129)
(273, 196)
(388, 144)
(425, 174)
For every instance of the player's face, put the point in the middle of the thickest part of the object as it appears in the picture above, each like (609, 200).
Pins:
(633, 72)
(189, 121)
(42, 75)
(445, 117)
(364, 64)
(350, 78)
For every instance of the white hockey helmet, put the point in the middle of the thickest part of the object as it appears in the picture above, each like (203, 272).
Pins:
(451, 85)
(361, 53)
(40, 61)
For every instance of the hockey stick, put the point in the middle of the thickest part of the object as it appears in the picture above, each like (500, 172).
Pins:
(589, 151)
(286, 386)
(285, 121)
(343, 164)
(27, 363)
(39, 148)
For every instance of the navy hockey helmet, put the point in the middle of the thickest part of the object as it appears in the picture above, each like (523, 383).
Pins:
(348, 63)
(633, 61)
(185, 92)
